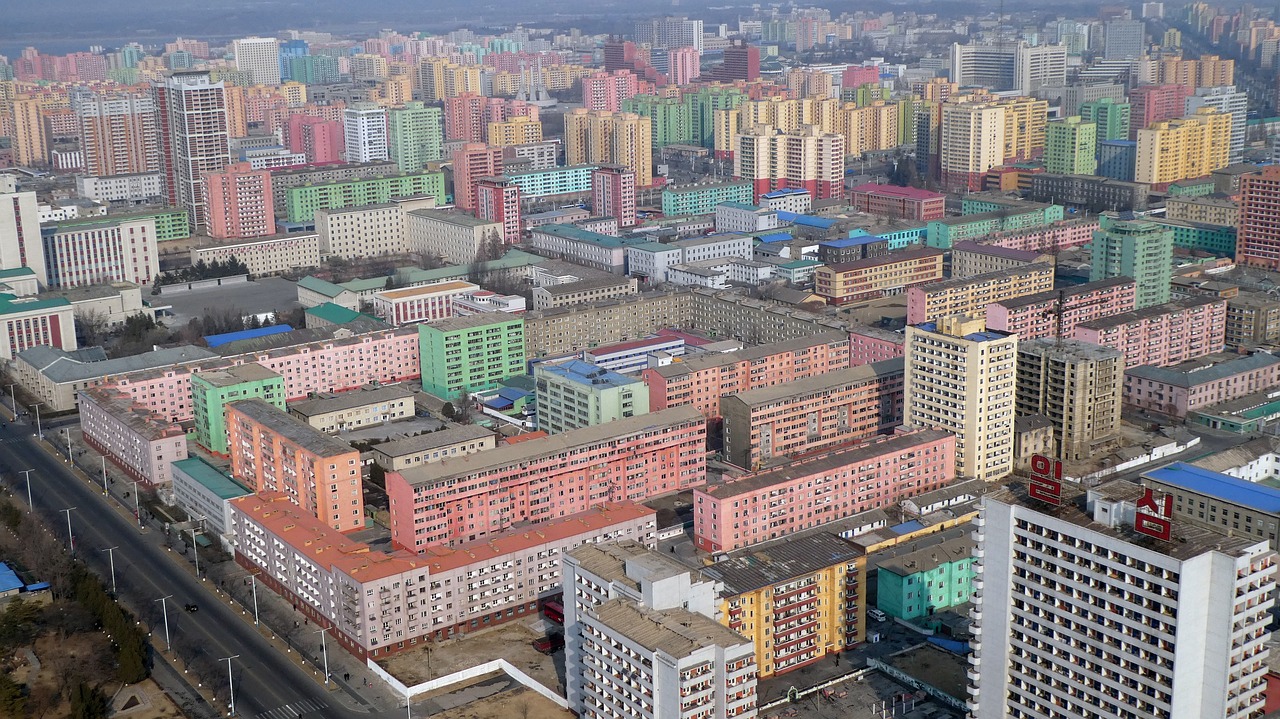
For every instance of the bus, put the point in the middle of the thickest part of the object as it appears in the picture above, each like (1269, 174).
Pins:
(554, 611)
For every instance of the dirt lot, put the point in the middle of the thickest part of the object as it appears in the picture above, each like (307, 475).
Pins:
(512, 641)
(519, 703)
(59, 659)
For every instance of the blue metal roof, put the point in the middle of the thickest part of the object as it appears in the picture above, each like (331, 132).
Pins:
(9, 579)
(774, 237)
(907, 527)
(863, 239)
(513, 394)
(217, 340)
(822, 223)
(1215, 484)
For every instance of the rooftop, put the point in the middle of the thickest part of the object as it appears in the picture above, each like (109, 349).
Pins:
(421, 290)
(930, 558)
(1239, 455)
(1061, 348)
(138, 418)
(703, 187)
(710, 240)
(1203, 370)
(235, 374)
(781, 561)
(610, 562)
(433, 440)
(452, 217)
(1147, 313)
(574, 233)
(829, 462)
(85, 293)
(228, 337)
(1024, 271)
(983, 336)
(911, 193)
(675, 632)
(12, 304)
(62, 366)
(291, 428)
(585, 373)
(1229, 489)
(596, 283)
(720, 359)
(1051, 296)
(889, 259)
(350, 400)
(323, 287)
(818, 383)
(466, 322)
(336, 314)
(514, 454)
(212, 478)
(628, 347)
(995, 251)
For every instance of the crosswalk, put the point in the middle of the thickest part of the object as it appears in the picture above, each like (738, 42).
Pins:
(294, 710)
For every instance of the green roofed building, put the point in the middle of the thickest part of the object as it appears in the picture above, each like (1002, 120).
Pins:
(203, 490)
(331, 315)
(211, 391)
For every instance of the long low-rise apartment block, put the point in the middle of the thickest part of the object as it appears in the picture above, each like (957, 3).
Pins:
(558, 331)
(874, 277)
(265, 256)
(971, 295)
(1161, 335)
(466, 498)
(812, 415)
(453, 441)
(702, 380)
(780, 501)
(377, 604)
(1034, 316)
(140, 443)
(1050, 238)
(1183, 388)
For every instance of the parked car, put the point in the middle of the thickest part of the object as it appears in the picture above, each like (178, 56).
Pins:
(876, 614)
(549, 644)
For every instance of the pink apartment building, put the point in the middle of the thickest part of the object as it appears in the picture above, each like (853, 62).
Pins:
(135, 440)
(238, 202)
(872, 344)
(1051, 238)
(1162, 335)
(468, 498)
(971, 295)
(812, 415)
(902, 203)
(701, 381)
(1034, 316)
(1186, 387)
(606, 91)
(333, 365)
(375, 604)
(781, 501)
(319, 139)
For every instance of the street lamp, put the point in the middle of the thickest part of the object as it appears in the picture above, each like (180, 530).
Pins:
(71, 538)
(324, 649)
(137, 504)
(27, 473)
(67, 432)
(230, 682)
(253, 579)
(164, 607)
(195, 548)
(13, 399)
(111, 556)
(39, 430)
(104, 475)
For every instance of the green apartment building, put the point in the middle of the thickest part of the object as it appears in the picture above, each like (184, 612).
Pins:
(1111, 117)
(1140, 249)
(1071, 147)
(211, 391)
(171, 223)
(577, 394)
(1218, 239)
(982, 217)
(415, 136)
(671, 117)
(302, 202)
(470, 353)
(702, 199)
(919, 583)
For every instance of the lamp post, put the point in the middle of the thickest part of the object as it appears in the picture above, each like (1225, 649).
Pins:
(13, 401)
(137, 504)
(104, 475)
(164, 607)
(231, 682)
(71, 538)
(324, 650)
(253, 579)
(67, 432)
(195, 548)
(111, 556)
(39, 430)
(27, 473)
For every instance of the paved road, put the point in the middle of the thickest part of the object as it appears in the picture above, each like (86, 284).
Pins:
(267, 684)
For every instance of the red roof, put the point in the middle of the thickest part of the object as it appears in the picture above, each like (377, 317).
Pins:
(912, 193)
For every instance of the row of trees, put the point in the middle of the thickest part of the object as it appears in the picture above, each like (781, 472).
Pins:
(204, 271)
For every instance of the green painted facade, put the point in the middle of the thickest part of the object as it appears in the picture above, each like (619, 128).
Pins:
(1218, 239)
(1193, 188)
(301, 203)
(982, 218)
(1071, 147)
(1139, 249)
(702, 199)
(471, 353)
(671, 118)
(171, 223)
(913, 595)
(415, 136)
(211, 391)
(1111, 117)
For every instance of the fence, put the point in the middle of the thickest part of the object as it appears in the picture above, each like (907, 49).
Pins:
(497, 665)
(202, 284)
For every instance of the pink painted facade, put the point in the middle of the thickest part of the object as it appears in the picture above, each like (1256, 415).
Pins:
(469, 498)
(1181, 390)
(386, 357)
(872, 344)
(700, 382)
(1162, 335)
(1035, 315)
(908, 203)
(1058, 236)
(136, 441)
(784, 500)
(971, 295)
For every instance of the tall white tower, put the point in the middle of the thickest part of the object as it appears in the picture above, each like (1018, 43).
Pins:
(365, 130)
(260, 57)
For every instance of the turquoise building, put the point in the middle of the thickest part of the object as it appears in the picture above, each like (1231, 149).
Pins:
(919, 583)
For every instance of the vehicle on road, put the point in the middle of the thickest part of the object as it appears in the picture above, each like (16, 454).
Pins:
(192, 607)
(549, 644)
(876, 614)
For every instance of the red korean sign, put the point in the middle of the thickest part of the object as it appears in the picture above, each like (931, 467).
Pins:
(1154, 517)
(1046, 480)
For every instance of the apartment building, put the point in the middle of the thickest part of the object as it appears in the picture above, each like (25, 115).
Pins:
(560, 331)
(469, 353)
(135, 440)
(302, 201)
(272, 451)
(340, 583)
(95, 250)
(1057, 313)
(366, 407)
(1252, 318)
(905, 203)
(583, 247)
(1209, 209)
(576, 394)
(874, 277)
(1161, 335)
(1082, 610)
(961, 377)
(367, 231)
(814, 414)
(643, 639)
(423, 303)
(453, 441)
(1050, 238)
(454, 237)
(1077, 386)
(701, 381)
(271, 256)
(1140, 250)
(971, 295)
(1183, 388)
(969, 259)
(212, 390)
(733, 314)
(872, 344)
(809, 493)
(573, 293)
(471, 497)
(701, 199)
(798, 600)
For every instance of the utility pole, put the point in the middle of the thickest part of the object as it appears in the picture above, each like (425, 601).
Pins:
(39, 431)
(137, 504)
(104, 475)
(111, 556)
(324, 649)
(27, 473)
(71, 538)
(253, 579)
(230, 682)
(164, 607)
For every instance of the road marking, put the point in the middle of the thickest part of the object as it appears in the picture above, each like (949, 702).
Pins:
(294, 710)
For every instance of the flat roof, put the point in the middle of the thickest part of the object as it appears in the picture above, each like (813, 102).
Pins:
(686, 189)
(62, 366)
(452, 217)
(889, 259)
(1203, 370)
(928, 559)
(291, 428)
(610, 561)
(750, 354)
(1215, 484)
(456, 434)
(996, 251)
(945, 285)
(211, 478)
(983, 336)
(409, 292)
(1069, 348)
(676, 632)
(349, 400)
(235, 374)
(781, 561)
(585, 373)
(828, 462)
(466, 322)
(911, 193)
(1074, 290)
(1125, 318)
(594, 283)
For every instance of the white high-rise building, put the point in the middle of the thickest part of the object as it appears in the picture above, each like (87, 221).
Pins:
(192, 120)
(365, 131)
(962, 377)
(1100, 607)
(20, 241)
(642, 640)
(260, 57)
(670, 32)
(1012, 66)
(1226, 99)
